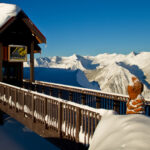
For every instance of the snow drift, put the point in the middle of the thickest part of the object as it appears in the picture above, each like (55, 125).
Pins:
(127, 132)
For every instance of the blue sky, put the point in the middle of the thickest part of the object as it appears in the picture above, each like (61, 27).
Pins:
(90, 27)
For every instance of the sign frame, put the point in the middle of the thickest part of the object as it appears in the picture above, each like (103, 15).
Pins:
(18, 50)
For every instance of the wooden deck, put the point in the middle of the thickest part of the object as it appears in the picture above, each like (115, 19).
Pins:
(55, 119)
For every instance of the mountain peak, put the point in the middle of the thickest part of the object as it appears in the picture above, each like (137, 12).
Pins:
(133, 53)
(76, 56)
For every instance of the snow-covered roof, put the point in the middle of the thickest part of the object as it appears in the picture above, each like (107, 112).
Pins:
(7, 11)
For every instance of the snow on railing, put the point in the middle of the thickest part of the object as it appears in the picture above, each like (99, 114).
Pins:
(71, 120)
(93, 98)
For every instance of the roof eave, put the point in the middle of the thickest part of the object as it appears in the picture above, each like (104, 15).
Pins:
(35, 31)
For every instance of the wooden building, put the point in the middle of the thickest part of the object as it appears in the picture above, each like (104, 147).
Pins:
(18, 37)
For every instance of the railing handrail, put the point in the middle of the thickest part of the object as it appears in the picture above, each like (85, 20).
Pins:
(54, 98)
(84, 90)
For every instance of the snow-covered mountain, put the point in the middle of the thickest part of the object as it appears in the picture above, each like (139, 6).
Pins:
(73, 62)
(112, 71)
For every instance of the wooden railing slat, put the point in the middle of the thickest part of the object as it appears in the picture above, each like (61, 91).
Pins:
(78, 122)
(59, 119)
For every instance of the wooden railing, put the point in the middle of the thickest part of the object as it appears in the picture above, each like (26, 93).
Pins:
(92, 98)
(70, 120)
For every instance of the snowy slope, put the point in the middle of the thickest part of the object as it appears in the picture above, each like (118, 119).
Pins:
(122, 132)
(111, 71)
(111, 78)
(115, 71)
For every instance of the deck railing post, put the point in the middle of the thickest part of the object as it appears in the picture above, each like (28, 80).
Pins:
(1, 62)
(33, 107)
(83, 99)
(117, 106)
(1, 118)
(4, 94)
(59, 118)
(43, 89)
(148, 110)
(35, 87)
(15, 100)
(10, 94)
(60, 93)
(78, 123)
(23, 102)
(98, 102)
(51, 91)
(23, 84)
(70, 96)
(45, 112)
(32, 88)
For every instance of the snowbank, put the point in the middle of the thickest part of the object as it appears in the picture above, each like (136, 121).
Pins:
(127, 132)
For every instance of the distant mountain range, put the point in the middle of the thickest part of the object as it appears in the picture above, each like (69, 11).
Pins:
(111, 71)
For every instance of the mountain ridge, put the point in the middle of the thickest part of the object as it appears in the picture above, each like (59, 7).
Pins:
(111, 71)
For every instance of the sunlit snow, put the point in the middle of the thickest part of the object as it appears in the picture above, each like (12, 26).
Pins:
(7, 11)
(122, 132)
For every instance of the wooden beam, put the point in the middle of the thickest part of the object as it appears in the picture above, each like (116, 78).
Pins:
(32, 62)
(1, 62)
(38, 35)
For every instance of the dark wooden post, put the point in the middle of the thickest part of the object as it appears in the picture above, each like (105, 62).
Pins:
(78, 123)
(83, 99)
(15, 100)
(32, 62)
(51, 91)
(33, 108)
(60, 93)
(45, 112)
(43, 89)
(70, 96)
(1, 118)
(59, 118)
(1, 62)
(148, 110)
(23, 102)
(4, 93)
(117, 106)
(98, 102)
(35, 87)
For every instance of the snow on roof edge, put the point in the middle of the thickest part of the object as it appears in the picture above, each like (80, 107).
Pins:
(7, 11)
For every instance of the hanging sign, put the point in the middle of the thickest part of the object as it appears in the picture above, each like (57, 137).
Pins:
(17, 53)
